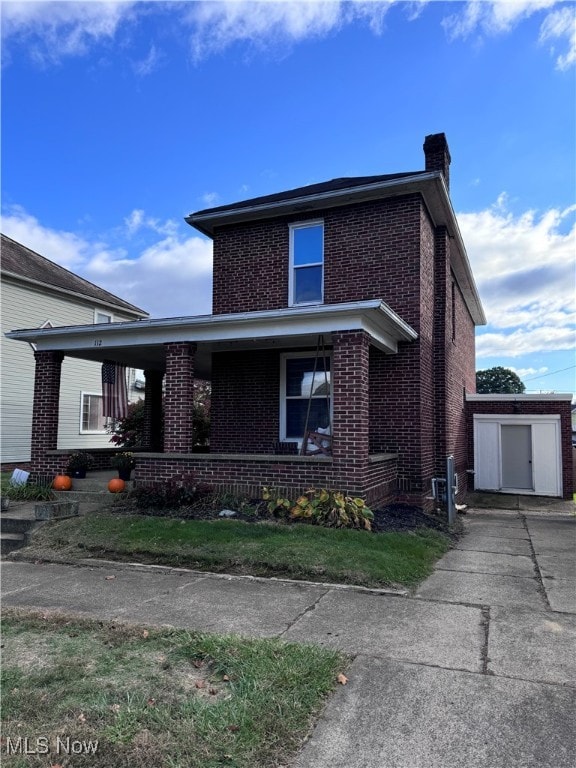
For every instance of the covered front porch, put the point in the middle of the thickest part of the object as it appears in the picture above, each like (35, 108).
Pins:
(253, 413)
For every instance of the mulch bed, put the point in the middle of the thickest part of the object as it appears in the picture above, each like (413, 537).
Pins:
(391, 518)
(404, 517)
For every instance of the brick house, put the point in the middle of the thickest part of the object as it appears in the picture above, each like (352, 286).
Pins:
(347, 306)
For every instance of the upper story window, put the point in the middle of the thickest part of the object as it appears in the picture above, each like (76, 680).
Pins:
(306, 282)
(102, 317)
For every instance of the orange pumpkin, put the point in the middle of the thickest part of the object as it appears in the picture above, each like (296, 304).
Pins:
(62, 483)
(116, 485)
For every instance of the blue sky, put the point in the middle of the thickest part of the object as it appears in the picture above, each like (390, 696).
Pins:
(119, 119)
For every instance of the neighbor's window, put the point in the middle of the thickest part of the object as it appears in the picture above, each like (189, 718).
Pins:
(299, 386)
(306, 263)
(92, 419)
(102, 317)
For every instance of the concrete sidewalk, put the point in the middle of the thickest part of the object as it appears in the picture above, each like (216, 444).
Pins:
(477, 669)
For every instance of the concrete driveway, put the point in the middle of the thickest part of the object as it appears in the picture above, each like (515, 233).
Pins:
(477, 669)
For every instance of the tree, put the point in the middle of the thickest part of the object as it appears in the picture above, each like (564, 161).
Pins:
(498, 380)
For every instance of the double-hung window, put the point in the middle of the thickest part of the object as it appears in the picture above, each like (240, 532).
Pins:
(91, 418)
(302, 389)
(306, 263)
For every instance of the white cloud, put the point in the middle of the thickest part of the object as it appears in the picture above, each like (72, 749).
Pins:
(557, 25)
(218, 25)
(149, 64)
(169, 277)
(524, 268)
(134, 221)
(53, 30)
(493, 17)
(138, 221)
(522, 372)
(210, 198)
(67, 249)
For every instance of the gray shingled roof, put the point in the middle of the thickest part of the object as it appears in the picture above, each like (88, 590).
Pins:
(334, 185)
(23, 262)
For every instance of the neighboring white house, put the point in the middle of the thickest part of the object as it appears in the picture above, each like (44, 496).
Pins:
(38, 293)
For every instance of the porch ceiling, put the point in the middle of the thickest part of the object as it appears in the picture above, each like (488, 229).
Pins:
(140, 344)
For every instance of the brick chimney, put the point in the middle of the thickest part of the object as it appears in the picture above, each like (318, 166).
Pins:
(437, 155)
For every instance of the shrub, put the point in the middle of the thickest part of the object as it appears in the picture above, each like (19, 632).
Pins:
(179, 491)
(277, 505)
(129, 431)
(333, 509)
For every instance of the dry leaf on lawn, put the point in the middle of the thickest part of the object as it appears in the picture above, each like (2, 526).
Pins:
(342, 679)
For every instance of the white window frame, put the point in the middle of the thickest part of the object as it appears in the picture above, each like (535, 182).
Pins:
(90, 431)
(284, 356)
(293, 268)
(104, 314)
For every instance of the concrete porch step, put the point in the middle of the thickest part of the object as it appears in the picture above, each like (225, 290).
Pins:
(11, 541)
(102, 496)
(16, 524)
(11, 524)
(93, 489)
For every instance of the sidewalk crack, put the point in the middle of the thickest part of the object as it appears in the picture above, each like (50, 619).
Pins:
(303, 613)
(537, 573)
(485, 624)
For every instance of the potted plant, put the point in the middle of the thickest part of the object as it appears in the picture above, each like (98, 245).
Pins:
(124, 462)
(78, 464)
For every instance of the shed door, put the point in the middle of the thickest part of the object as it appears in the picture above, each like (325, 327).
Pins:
(513, 453)
(487, 455)
(516, 442)
(547, 458)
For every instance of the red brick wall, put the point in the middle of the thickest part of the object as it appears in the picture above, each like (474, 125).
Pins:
(245, 402)
(543, 407)
(45, 406)
(178, 430)
(454, 364)
(461, 379)
(293, 475)
(371, 250)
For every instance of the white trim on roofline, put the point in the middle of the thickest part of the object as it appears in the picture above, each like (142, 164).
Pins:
(518, 398)
(385, 327)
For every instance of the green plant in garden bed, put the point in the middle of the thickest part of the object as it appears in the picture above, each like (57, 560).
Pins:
(152, 697)
(332, 509)
(26, 492)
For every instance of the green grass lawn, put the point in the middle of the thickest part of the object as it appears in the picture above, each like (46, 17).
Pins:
(134, 697)
(265, 549)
